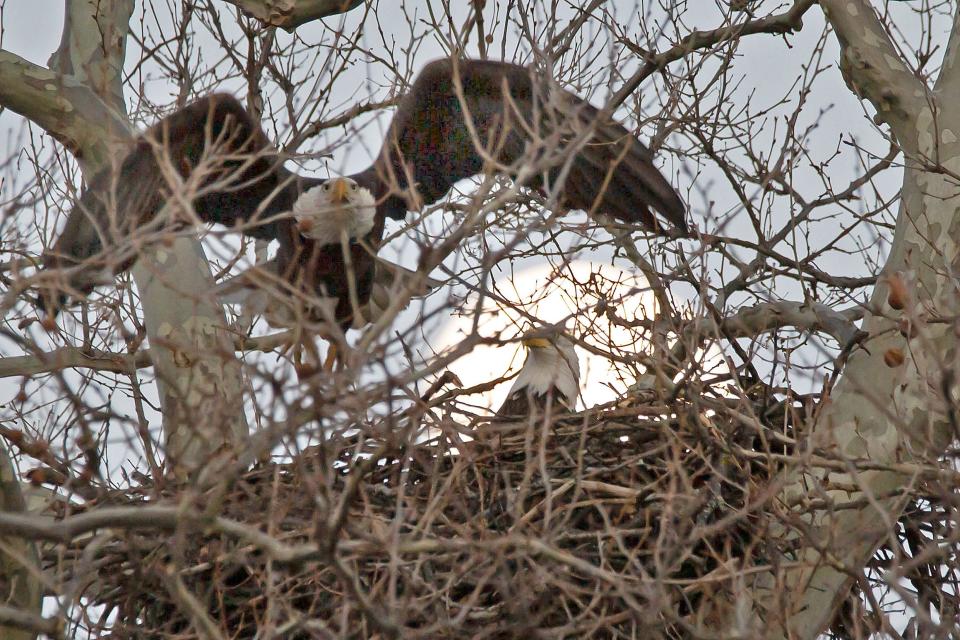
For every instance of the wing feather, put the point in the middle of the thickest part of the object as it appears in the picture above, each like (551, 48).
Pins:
(457, 117)
(210, 149)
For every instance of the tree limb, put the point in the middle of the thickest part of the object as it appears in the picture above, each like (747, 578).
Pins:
(874, 71)
(92, 48)
(89, 120)
(192, 353)
(64, 107)
(787, 22)
(21, 586)
(290, 14)
(186, 328)
(880, 410)
(195, 609)
(74, 358)
(809, 316)
(23, 624)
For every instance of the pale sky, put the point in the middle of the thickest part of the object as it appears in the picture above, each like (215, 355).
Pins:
(766, 68)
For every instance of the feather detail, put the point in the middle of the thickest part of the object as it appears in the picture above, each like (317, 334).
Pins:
(321, 220)
(552, 370)
(223, 163)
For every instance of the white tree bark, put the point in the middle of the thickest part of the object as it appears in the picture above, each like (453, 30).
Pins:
(198, 377)
(74, 113)
(93, 46)
(877, 412)
(79, 100)
(290, 14)
(201, 387)
(64, 107)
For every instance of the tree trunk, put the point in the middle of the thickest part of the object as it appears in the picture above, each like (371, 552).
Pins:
(198, 377)
(19, 562)
(878, 413)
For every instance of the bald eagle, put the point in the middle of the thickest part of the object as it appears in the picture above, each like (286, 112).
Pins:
(213, 152)
(550, 375)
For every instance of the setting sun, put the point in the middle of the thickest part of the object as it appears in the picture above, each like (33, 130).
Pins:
(593, 300)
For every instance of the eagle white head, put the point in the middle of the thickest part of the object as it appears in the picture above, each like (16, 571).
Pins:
(337, 206)
(551, 362)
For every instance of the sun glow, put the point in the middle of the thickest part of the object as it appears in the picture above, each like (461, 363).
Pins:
(600, 305)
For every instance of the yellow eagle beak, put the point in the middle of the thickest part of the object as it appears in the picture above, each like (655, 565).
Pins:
(536, 343)
(339, 190)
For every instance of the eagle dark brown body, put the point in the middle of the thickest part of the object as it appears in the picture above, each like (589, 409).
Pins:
(523, 402)
(310, 268)
(236, 177)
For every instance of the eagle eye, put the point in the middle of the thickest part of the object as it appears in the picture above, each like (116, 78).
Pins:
(326, 186)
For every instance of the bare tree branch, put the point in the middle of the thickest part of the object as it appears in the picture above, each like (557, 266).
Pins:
(808, 316)
(874, 70)
(290, 14)
(71, 357)
(88, 120)
(192, 355)
(21, 586)
(884, 409)
(192, 350)
(92, 49)
(787, 22)
(21, 624)
(204, 625)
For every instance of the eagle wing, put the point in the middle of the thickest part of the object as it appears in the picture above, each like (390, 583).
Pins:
(212, 150)
(456, 108)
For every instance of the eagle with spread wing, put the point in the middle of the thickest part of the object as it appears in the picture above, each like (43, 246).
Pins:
(459, 118)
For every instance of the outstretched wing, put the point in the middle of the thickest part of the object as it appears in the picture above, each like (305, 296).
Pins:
(455, 108)
(210, 152)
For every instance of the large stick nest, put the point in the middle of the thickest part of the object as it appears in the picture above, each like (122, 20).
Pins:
(631, 521)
